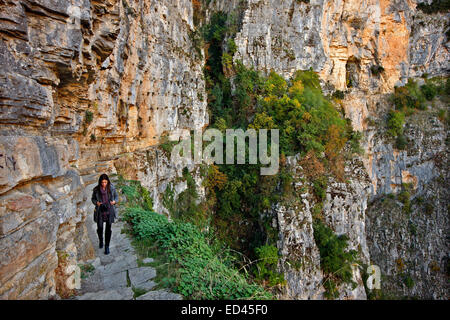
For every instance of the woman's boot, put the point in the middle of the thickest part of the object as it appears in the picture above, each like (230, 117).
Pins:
(100, 238)
(108, 232)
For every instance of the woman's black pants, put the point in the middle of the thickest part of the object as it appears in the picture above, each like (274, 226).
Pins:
(108, 232)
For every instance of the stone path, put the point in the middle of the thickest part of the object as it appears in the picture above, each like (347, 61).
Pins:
(116, 274)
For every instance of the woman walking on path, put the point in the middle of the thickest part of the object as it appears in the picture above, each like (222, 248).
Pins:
(104, 197)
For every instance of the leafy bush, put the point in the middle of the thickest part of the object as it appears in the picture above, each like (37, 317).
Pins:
(136, 194)
(187, 208)
(205, 269)
(355, 142)
(232, 47)
(408, 281)
(301, 112)
(396, 120)
(267, 256)
(405, 197)
(429, 91)
(335, 261)
(89, 116)
(442, 114)
(401, 142)
(376, 69)
(408, 97)
(320, 187)
(338, 94)
(167, 145)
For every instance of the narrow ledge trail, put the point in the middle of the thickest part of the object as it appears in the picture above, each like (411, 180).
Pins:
(116, 274)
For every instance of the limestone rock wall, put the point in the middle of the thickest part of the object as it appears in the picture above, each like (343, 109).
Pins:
(83, 84)
(409, 244)
(345, 41)
(344, 36)
(344, 208)
(363, 48)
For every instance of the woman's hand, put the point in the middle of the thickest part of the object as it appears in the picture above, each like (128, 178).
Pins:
(99, 203)
(112, 202)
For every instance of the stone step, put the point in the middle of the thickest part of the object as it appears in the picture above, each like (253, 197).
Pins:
(141, 275)
(120, 263)
(119, 294)
(115, 280)
(160, 295)
(147, 285)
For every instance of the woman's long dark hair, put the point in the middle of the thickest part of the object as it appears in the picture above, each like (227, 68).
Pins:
(104, 176)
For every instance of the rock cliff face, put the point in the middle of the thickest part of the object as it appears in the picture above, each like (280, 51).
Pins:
(91, 86)
(344, 208)
(83, 84)
(345, 42)
(407, 219)
(365, 49)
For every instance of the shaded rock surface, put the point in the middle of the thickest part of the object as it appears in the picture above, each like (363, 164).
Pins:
(105, 79)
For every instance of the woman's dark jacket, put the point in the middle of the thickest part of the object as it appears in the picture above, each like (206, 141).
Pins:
(112, 196)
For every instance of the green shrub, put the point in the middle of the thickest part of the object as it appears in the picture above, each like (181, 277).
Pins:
(442, 115)
(396, 120)
(136, 194)
(232, 47)
(187, 208)
(412, 228)
(338, 94)
(405, 198)
(230, 199)
(308, 78)
(409, 96)
(320, 187)
(408, 281)
(429, 91)
(89, 116)
(266, 266)
(355, 142)
(376, 70)
(275, 85)
(205, 270)
(227, 61)
(335, 261)
(401, 142)
(146, 198)
(86, 270)
(167, 145)
(317, 210)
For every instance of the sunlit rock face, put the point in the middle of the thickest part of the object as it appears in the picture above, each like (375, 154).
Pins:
(364, 48)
